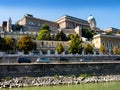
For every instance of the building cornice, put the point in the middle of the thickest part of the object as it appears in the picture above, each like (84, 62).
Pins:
(71, 17)
(104, 35)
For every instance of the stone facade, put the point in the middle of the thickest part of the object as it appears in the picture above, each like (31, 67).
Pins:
(51, 45)
(111, 29)
(108, 41)
(69, 22)
(67, 31)
(61, 69)
(15, 35)
(32, 24)
(77, 30)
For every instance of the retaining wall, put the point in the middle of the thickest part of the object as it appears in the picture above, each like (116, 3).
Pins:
(65, 69)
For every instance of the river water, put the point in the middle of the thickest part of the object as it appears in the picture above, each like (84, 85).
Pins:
(97, 86)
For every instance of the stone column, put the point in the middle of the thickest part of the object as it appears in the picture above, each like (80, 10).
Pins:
(83, 53)
(109, 51)
(56, 53)
(20, 53)
(94, 52)
(1, 53)
(76, 54)
(63, 53)
(100, 53)
(40, 52)
(30, 53)
(48, 52)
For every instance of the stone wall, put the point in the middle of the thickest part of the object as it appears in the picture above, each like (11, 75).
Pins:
(65, 69)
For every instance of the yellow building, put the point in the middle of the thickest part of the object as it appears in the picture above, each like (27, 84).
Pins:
(108, 41)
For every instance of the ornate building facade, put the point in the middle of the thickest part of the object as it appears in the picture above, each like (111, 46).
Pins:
(71, 25)
(108, 41)
(32, 24)
(69, 22)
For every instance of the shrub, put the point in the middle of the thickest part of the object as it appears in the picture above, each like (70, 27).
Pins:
(8, 78)
(84, 75)
(56, 76)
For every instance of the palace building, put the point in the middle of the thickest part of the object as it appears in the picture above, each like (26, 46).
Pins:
(66, 23)
(32, 24)
(71, 25)
(69, 22)
(108, 41)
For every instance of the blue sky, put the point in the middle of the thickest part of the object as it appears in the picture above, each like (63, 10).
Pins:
(106, 12)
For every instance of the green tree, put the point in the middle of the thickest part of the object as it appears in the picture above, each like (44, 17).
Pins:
(118, 32)
(86, 33)
(33, 36)
(9, 44)
(70, 36)
(101, 49)
(57, 37)
(26, 44)
(93, 33)
(88, 49)
(2, 44)
(75, 45)
(43, 35)
(18, 27)
(115, 50)
(60, 49)
(109, 33)
(119, 51)
(45, 27)
(61, 36)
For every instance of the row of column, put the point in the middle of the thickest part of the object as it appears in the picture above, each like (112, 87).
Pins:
(48, 53)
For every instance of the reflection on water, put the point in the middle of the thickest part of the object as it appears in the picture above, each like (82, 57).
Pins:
(99, 86)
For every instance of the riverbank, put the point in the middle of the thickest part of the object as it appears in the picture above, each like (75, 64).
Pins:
(55, 80)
